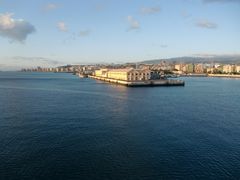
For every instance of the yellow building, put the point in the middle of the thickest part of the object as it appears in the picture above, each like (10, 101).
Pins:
(121, 74)
(211, 70)
(178, 67)
(125, 74)
(228, 68)
(101, 72)
(238, 69)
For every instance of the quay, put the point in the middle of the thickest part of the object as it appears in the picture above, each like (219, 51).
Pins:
(224, 75)
(159, 82)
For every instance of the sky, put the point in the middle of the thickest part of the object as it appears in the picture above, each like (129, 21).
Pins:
(43, 32)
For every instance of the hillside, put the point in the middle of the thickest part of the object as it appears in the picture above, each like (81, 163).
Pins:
(188, 59)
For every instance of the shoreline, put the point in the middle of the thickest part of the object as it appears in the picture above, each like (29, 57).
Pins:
(212, 75)
(185, 75)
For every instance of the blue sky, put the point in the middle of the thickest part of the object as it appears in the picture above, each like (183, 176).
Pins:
(94, 31)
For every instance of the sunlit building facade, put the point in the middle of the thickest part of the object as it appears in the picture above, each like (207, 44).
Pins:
(125, 74)
(229, 68)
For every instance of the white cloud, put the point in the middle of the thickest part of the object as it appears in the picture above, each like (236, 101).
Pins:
(62, 26)
(15, 29)
(133, 24)
(51, 6)
(206, 24)
(150, 10)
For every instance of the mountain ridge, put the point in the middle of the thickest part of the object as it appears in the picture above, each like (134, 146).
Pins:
(226, 59)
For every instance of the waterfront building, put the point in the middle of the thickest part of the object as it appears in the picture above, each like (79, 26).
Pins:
(101, 72)
(199, 68)
(186, 68)
(121, 74)
(238, 69)
(178, 67)
(220, 68)
(125, 74)
(211, 70)
(190, 68)
(139, 75)
(229, 68)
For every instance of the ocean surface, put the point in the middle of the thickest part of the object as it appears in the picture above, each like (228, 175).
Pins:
(58, 126)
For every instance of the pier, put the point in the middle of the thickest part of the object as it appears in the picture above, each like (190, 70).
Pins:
(159, 82)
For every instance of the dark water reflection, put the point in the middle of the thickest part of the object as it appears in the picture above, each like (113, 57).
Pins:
(57, 126)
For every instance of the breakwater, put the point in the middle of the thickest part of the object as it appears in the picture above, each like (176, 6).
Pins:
(163, 82)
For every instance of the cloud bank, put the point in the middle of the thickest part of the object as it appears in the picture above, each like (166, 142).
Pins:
(15, 29)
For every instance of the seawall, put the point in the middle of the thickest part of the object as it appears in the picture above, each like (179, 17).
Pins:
(224, 75)
(165, 82)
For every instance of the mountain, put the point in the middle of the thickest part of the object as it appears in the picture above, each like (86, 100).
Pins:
(226, 59)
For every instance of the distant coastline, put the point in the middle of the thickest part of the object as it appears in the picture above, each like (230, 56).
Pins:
(163, 69)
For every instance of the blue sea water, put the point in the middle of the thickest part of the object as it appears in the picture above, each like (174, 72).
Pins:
(58, 126)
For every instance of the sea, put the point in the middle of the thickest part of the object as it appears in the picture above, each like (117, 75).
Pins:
(60, 126)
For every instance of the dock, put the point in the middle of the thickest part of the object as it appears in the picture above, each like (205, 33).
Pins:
(159, 82)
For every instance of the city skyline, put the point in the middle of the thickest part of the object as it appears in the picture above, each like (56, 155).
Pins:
(55, 32)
